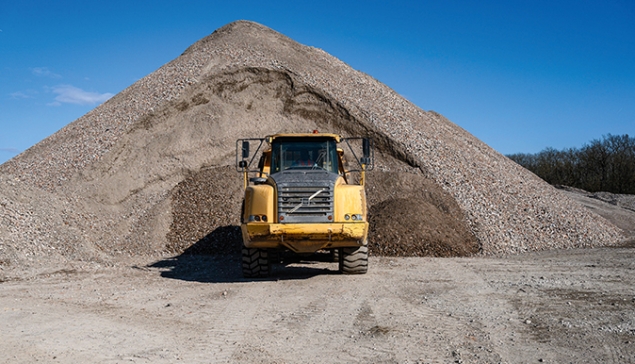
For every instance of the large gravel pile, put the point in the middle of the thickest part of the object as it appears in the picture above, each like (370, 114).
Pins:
(147, 172)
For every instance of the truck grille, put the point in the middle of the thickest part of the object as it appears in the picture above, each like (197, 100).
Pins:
(305, 201)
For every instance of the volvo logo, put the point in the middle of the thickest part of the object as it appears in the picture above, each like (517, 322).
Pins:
(306, 201)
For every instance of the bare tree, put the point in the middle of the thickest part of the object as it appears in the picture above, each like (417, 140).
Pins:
(606, 164)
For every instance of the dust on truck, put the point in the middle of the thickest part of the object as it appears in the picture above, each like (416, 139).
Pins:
(303, 198)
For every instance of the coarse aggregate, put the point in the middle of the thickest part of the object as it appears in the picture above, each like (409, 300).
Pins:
(112, 182)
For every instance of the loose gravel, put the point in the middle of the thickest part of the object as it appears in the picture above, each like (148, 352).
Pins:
(112, 182)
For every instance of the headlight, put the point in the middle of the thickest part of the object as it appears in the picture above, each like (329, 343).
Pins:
(355, 217)
(257, 218)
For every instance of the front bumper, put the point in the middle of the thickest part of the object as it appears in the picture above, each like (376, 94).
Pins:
(304, 238)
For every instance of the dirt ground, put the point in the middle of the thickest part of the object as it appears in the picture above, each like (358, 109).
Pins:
(553, 307)
(560, 306)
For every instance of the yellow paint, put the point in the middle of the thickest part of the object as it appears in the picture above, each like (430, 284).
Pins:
(304, 135)
(349, 199)
(259, 201)
(266, 165)
(304, 238)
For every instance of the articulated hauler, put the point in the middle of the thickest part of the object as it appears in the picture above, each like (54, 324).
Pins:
(302, 198)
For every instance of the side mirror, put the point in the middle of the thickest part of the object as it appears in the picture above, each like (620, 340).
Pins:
(245, 149)
(366, 148)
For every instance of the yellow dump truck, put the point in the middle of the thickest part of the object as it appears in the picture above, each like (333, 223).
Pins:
(303, 198)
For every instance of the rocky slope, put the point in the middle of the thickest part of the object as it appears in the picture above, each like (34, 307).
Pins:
(151, 170)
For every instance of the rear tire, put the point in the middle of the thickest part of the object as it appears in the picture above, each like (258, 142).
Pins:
(255, 263)
(354, 260)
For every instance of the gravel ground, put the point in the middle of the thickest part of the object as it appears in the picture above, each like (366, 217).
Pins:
(566, 306)
(111, 184)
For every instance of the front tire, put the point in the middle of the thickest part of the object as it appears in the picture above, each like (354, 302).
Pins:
(354, 260)
(255, 263)
(335, 255)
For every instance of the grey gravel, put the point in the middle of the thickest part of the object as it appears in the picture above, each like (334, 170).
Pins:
(102, 186)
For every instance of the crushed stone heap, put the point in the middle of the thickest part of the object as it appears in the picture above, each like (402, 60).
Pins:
(151, 171)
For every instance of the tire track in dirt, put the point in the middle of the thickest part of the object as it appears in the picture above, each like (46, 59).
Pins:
(352, 319)
(294, 324)
(234, 321)
(51, 326)
(485, 331)
(405, 310)
(428, 310)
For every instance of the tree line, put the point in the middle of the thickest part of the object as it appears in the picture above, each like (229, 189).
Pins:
(606, 164)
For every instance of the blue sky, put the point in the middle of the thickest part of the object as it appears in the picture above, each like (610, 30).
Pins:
(519, 75)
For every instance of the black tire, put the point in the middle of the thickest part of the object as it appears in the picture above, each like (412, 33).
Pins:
(255, 263)
(335, 255)
(275, 256)
(354, 260)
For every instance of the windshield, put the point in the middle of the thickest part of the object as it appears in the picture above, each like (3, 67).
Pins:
(304, 153)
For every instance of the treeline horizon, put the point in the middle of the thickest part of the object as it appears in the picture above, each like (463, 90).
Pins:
(606, 164)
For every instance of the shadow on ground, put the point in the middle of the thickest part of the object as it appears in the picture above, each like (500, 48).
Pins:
(214, 260)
